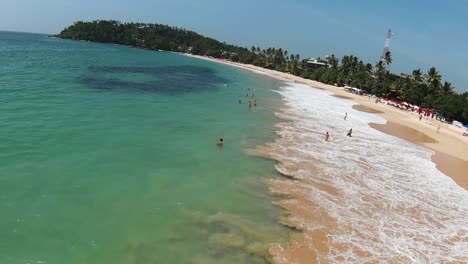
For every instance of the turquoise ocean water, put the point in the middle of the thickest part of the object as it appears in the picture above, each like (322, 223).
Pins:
(108, 155)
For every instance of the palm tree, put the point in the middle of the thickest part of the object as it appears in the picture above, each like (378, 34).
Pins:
(446, 89)
(379, 67)
(387, 58)
(333, 61)
(433, 79)
(380, 75)
(417, 76)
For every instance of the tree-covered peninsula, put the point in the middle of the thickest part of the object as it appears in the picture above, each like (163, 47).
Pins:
(418, 87)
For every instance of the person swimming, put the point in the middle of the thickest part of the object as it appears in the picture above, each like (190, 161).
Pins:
(220, 142)
(349, 132)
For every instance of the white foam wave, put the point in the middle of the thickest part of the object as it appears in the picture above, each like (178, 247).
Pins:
(393, 204)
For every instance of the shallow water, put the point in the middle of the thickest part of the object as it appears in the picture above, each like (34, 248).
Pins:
(108, 155)
(371, 198)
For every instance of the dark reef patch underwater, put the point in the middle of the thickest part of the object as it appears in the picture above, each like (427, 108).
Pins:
(170, 80)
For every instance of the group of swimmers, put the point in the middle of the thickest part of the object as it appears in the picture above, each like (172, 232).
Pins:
(349, 134)
(249, 95)
(220, 141)
(250, 103)
(327, 135)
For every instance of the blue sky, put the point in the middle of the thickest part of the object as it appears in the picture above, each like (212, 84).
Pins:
(427, 33)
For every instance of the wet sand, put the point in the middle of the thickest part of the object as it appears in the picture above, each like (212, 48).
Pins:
(453, 167)
(404, 132)
(342, 96)
(366, 109)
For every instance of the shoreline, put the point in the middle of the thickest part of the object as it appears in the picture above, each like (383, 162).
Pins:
(315, 226)
(447, 144)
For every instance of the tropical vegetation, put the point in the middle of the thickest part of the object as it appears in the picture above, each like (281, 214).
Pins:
(419, 88)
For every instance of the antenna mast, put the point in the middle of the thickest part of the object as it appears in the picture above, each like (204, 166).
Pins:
(387, 44)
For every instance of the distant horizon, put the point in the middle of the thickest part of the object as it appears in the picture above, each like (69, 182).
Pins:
(310, 28)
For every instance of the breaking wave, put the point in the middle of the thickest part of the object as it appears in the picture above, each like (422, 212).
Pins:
(369, 198)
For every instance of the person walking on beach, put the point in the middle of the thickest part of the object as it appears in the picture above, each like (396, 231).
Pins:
(420, 117)
(326, 136)
(349, 132)
(345, 115)
(437, 129)
(220, 142)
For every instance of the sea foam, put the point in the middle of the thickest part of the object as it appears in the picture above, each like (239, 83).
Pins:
(390, 203)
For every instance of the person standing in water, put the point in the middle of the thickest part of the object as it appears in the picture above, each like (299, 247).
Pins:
(240, 101)
(326, 136)
(250, 104)
(349, 132)
(345, 115)
(220, 142)
(255, 103)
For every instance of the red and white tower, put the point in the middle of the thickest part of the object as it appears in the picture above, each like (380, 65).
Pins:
(387, 45)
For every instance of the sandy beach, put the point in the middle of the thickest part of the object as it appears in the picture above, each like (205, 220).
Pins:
(317, 207)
